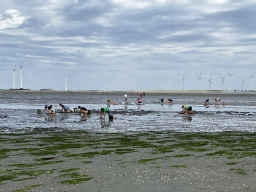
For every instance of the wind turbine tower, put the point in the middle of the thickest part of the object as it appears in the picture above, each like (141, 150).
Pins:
(66, 81)
(200, 79)
(243, 85)
(229, 79)
(252, 80)
(13, 80)
(21, 68)
(183, 82)
(210, 82)
(223, 81)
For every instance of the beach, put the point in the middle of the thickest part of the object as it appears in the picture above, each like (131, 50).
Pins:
(60, 160)
(147, 148)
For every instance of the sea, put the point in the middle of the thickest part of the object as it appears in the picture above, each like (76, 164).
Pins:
(19, 113)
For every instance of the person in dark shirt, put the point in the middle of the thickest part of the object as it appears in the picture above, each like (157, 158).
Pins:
(83, 110)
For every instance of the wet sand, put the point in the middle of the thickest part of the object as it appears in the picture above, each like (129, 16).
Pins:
(61, 160)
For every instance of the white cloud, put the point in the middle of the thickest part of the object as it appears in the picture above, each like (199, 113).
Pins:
(13, 21)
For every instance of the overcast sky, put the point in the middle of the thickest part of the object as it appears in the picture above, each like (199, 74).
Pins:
(127, 44)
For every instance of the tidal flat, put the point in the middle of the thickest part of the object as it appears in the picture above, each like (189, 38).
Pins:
(76, 160)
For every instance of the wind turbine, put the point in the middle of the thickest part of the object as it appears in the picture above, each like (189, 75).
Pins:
(200, 78)
(229, 79)
(210, 82)
(21, 68)
(243, 85)
(66, 81)
(13, 80)
(252, 80)
(222, 81)
(183, 82)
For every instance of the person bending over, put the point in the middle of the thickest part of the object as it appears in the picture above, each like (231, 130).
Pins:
(47, 106)
(83, 110)
(103, 112)
(51, 111)
(187, 109)
(65, 108)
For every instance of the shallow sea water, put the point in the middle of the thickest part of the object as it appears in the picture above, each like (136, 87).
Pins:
(18, 113)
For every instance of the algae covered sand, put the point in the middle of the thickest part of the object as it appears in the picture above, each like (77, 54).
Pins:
(61, 160)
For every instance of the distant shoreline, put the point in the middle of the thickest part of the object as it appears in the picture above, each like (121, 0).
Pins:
(135, 92)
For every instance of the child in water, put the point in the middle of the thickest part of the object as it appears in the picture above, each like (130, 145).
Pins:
(108, 102)
(139, 101)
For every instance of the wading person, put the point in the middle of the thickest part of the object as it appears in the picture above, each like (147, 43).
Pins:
(103, 112)
(217, 101)
(83, 110)
(108, 102)
(47, 106)
(125, 99)
(65, 108)
(51, 111)
(187, 109)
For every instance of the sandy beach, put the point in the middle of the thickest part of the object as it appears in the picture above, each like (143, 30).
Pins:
(61, 160)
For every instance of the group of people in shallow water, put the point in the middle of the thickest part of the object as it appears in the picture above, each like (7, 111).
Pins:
(186, 109)
(64, 108)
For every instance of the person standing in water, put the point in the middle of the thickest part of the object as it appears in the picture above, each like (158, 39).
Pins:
(108, 102)
(125, 99)
(217, 101)
(139, 101)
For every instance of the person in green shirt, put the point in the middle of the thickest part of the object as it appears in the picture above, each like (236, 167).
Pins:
(187, 109)
(103, 111)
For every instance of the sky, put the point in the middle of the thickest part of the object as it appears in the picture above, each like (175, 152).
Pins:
(128, 44)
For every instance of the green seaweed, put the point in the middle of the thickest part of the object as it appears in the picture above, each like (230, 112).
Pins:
(239, 171)
(183, 155)
(221, 153)
(30, 172)
(7, 177)
(179, 166)
(23, 165)
(123, 151)
(196, 150)
(86, 161)
(75, 181)
(232, 163)
(146, 160)
(74, 175)
(25, 189)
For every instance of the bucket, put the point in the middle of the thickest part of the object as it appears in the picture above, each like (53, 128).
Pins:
(110, 117)
(75, 109)
(39, 111)
(89, 112)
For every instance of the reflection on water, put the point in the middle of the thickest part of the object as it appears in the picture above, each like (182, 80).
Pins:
(187, 118)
